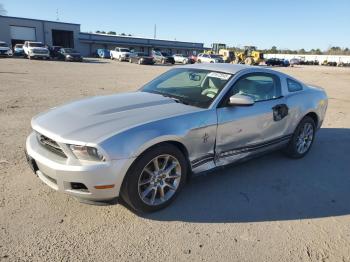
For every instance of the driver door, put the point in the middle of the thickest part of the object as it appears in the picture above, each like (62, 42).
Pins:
(246, 130)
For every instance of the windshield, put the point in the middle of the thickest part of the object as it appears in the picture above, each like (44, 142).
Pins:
(164, 54)
(124, 50)
(3, 45)
(70, 50)
(215, 56)
(18, 46)
(36, 45)
(190, 86)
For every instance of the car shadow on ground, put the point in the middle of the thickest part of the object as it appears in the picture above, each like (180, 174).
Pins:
(272, 187)
(89, 60)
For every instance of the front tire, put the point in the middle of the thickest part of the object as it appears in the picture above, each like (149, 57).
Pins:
(155, 179)
(302, 139)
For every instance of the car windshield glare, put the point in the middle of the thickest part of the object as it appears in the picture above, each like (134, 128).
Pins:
(196, 87)
(36, 45)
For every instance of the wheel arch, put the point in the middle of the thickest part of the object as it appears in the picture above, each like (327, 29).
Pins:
(314, 116)
(173, 142)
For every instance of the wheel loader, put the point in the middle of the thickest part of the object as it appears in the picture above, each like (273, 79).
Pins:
(250, 56)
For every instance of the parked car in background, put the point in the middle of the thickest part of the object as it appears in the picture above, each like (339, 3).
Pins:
(276, 62)
(55, 51)
(142, 146)
(193, 58)
(209, 58)
(141, 58)
(180, 58)
(5, 50)
(286, 62)
(294, 61)
(120, 54)
(36, 50)
(103, 53)
(162, 57)
(69, 55)
(309, 62)
(18, 50)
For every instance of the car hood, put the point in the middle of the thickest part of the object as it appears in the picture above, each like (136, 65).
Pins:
(95, 119)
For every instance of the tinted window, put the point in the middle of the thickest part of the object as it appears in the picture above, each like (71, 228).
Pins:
(293, 86)
(258, 86)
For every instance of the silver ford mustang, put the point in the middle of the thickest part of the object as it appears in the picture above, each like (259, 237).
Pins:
(143, 145)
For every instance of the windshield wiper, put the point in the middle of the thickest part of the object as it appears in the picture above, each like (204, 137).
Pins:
(175, 98)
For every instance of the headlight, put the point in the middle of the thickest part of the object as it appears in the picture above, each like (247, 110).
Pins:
(87, 153)
(69, 56)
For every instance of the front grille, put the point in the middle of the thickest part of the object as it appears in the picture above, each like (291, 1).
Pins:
(40, 51)
(51, 145)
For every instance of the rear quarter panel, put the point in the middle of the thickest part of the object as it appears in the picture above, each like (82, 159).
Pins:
(308, 100)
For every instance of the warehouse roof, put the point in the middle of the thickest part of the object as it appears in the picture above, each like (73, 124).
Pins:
(31, 19)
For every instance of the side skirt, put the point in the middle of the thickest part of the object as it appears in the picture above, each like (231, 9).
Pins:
(238, 155)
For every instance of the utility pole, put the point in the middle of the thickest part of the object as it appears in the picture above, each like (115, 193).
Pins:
(155, 31)
(57, 17)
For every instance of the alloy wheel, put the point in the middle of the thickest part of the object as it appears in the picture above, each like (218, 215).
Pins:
(305, 137)
(159, 180)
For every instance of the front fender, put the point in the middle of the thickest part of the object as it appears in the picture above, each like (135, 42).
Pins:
(196, 131)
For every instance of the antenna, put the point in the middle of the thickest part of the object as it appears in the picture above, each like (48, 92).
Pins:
(57, 17)
(155, 31)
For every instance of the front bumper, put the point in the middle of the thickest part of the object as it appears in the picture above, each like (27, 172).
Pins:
(5, 53)
(74, 59)
(61, 175)
(39, 55)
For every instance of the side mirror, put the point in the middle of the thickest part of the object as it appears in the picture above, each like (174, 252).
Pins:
(240, 100)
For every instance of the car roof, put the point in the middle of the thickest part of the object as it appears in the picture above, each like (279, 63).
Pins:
(221, 67)
(232, 68)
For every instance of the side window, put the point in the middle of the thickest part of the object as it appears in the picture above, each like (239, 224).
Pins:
(258, 86)
(294, 86)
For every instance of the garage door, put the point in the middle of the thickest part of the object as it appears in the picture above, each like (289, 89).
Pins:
(23, 33)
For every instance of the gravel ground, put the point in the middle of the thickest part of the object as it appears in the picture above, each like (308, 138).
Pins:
(268, 209)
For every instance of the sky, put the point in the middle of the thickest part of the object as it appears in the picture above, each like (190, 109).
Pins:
(283, 23)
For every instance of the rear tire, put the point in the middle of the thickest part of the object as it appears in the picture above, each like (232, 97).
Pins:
(302, 139)
(143, 177)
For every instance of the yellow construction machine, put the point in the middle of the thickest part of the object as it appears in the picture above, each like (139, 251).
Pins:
(250, 56)
(227, 55)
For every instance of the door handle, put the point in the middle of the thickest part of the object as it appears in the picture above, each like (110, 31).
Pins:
(280, 111)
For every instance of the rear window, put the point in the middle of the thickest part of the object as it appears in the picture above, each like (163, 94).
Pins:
(294, 86)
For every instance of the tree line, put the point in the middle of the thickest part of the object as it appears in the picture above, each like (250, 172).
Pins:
(332, 50)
